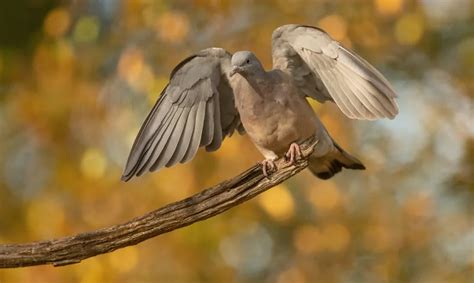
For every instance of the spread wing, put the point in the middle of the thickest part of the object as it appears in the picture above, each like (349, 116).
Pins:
(195, 109)
(324, 70)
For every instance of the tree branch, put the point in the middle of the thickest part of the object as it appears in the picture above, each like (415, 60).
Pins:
(203, 205)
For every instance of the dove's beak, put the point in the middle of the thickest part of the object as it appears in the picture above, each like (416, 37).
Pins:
(234, 71)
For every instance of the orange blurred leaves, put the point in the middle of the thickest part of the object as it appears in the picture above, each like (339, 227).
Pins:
(388, 7)
(135, 71)
(325, 197)
(278, 203)
(335, 25)
(57, 22)
(332, 237)
(172, 26)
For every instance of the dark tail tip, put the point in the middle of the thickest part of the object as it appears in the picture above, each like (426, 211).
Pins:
(335, 167)
(327, 167)
(356, 166)
(325, 175)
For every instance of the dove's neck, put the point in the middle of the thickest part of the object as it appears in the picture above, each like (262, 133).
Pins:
(260, 81)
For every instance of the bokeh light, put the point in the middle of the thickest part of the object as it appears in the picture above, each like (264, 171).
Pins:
(335, 25)
(124, 260)
(325, 197)
(48, 212)
(57, 22)
(388, 7)
(86, 29)
(172, 26)
(409, 29)
(93, 163)
(278, 203)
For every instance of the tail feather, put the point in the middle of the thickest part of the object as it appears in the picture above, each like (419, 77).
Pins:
(332, 163)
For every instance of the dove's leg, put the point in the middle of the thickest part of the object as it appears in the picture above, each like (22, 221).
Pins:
(268, 165)
(293, 153)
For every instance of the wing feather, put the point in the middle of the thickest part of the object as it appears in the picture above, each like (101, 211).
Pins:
(208, 131)
(197, 134)
(188, 114)
(185, 141)
(327, 77)
(358, 89)
(152, 139)
(217, 139)
(165, 148)
(365, 99)
(176, 140)
(158, 141)
(355, 95)
(370, 95)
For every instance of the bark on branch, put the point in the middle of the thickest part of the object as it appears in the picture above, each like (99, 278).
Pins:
(203, 205)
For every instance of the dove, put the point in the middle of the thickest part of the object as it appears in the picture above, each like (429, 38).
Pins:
(213, 94)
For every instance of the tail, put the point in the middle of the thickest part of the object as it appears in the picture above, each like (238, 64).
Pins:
(326, 166)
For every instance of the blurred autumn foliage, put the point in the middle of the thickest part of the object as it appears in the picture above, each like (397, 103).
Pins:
(77, 79)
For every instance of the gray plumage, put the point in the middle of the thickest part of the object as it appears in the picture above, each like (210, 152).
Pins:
(212, 94)
(324, 70)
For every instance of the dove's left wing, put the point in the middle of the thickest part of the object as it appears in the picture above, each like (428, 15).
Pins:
(324, 70)
(195, 109)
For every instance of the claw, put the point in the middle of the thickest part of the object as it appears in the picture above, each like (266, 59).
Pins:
(294, 153)
(268, 166)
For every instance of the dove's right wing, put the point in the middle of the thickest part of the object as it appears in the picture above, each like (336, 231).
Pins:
(324, 70)
(195, 109)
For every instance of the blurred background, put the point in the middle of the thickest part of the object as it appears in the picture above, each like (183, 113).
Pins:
(77, 78)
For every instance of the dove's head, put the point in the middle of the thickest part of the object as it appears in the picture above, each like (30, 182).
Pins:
(245, 63)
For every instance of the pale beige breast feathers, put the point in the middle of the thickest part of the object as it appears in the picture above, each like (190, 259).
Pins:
(274, 116)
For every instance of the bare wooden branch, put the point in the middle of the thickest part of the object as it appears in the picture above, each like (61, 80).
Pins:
(210, 202)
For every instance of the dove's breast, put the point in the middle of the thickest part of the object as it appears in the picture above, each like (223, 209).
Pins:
(274, 114)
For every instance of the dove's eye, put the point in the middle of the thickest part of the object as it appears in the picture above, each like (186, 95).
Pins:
(248, 61)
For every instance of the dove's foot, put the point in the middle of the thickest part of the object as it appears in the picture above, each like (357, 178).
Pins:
(294, 153)
(268, 166)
